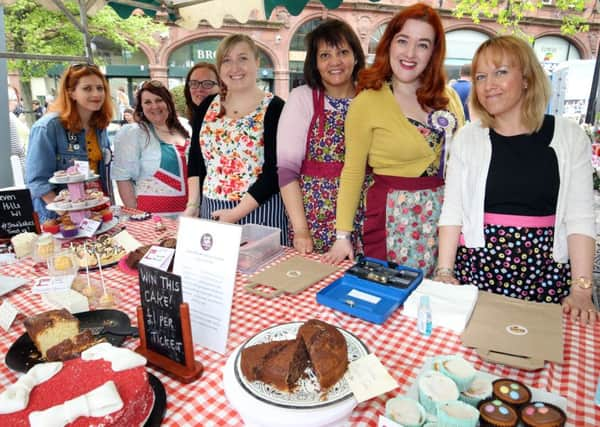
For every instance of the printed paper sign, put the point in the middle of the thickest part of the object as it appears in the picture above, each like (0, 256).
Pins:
(88, 227)
(206, 259)
(44, 285)
(158, 257)
(7, 315)
(83, 166)
(368, 378)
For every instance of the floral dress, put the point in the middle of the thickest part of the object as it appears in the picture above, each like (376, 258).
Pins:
(320, 173)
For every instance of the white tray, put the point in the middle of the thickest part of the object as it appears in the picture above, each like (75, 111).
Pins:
(537, 394)
(104, 227)
(73, 180)
(90, 204)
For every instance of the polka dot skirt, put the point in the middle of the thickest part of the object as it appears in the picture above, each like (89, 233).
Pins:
(516, 262)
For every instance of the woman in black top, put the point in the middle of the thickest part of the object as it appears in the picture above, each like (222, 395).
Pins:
(233, 151)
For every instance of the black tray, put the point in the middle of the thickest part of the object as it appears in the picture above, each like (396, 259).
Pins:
(160, 402)
(23, 355)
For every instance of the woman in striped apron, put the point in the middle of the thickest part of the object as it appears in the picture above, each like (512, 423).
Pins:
(518, 217)
(233, 151)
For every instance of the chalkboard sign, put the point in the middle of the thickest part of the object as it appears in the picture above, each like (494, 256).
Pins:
(16, 213)
(160, 293)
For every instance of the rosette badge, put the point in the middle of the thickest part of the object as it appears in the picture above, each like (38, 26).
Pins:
(443, 121)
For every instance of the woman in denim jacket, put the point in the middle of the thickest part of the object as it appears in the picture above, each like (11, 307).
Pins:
(75, 129)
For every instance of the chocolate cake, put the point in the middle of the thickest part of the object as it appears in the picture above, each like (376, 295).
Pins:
(279, 363)
(327, 351)
(133, 259)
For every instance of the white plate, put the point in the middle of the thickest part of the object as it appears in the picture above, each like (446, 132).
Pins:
(88, 205)
(104, 227)
(308, 394)
(73, 180)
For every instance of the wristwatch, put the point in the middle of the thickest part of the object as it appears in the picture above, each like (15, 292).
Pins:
(340, 235)
(582, 282)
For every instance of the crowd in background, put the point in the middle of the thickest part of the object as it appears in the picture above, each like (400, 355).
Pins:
(376, 161)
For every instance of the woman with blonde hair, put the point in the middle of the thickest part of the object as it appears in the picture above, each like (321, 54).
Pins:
(233, 151)
(518, 217)
(74, 129)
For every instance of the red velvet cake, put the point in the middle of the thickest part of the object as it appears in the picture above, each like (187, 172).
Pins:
(79, 377)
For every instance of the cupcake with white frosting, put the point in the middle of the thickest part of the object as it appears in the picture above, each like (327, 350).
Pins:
(480, 389)
(436, 388)
(405, 411)
(457, 414)
(457, 369)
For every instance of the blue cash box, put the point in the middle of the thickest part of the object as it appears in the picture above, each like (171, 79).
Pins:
(371, 289)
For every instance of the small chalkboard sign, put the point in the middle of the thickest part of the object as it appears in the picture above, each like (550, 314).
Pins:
(160, 293)
(164, 325)
(16, 213)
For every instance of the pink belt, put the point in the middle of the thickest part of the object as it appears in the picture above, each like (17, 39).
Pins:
(321, 169)
(519, 220)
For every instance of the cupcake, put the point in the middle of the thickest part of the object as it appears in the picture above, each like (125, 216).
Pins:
(44, 247)
(513, 392)
(480, 389)
(495, 413)
(69, 230)
(405, 411)
(541, 414)
(457, 414)
(457, 369)
(51, 226)
(107, 215)
(23, 243)
(435, 388)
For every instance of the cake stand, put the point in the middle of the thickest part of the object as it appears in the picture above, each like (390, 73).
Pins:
(257, 413)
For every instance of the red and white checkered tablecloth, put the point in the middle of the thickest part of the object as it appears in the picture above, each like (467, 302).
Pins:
(396, 343)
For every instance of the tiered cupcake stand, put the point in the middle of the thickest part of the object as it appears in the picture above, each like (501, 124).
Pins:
(76, 188)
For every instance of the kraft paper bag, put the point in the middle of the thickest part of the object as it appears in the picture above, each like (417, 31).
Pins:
(514, 332)
(292, 276)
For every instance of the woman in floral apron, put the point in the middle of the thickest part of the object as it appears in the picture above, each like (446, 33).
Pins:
(150, 156)
(399, 124)
(311, 143)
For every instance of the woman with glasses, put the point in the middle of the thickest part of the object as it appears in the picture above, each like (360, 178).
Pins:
(310, 149)
(202, 80)
(74, 129)
(233, 151)
(150, 164)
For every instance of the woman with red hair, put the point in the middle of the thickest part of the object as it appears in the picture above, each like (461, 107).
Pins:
(399, 125)
(75, 129)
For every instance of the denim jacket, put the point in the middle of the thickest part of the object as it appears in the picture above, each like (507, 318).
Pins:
(49, 150)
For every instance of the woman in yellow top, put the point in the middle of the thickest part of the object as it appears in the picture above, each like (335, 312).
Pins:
(399, 125)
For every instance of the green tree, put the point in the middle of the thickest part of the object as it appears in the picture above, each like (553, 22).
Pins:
(509, 13)
(31, 28)
(179, 99)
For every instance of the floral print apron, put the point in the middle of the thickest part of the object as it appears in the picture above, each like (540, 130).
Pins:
(320, 173)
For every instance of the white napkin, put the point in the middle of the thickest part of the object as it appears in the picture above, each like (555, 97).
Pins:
(16, 396)
(99, 402)
(451, 306)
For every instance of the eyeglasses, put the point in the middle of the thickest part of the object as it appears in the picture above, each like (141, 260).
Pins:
(206, 84)
(82, 65)
(153, 83)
